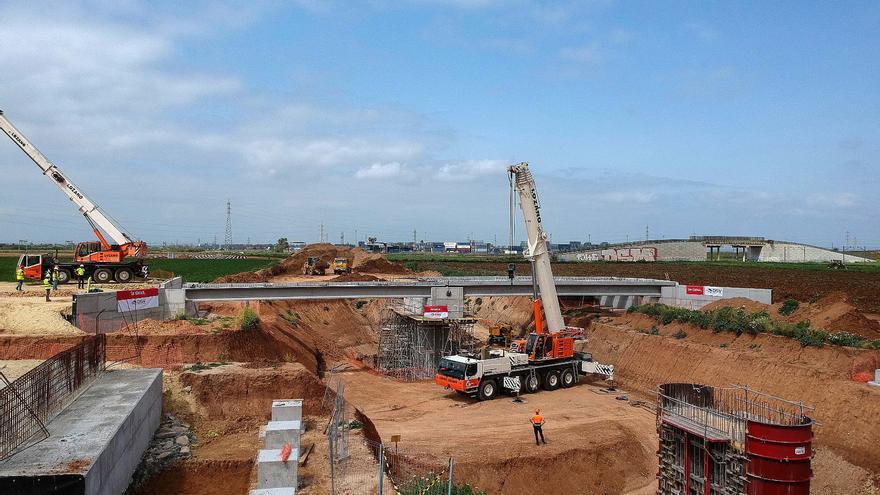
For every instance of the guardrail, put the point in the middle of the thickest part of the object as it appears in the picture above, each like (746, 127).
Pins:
(33, 399)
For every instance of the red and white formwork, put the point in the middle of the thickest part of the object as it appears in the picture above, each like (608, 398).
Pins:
(731, 441)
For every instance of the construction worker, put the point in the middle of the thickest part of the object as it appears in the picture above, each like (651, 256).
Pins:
(47, 285)
(80, 276)
(537, 422)
(19, 277)
(55, 276)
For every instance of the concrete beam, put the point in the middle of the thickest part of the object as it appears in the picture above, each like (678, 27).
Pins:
(471, 287)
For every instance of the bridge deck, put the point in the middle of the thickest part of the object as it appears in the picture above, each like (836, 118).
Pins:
(421, 287)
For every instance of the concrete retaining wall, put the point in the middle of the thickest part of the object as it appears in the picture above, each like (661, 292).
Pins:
(695, 250)
(97, 312)
(789, 252)
(96, 443)
(666, 251)
(678, 296)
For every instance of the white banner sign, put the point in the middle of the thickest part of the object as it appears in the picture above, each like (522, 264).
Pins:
(133, 300)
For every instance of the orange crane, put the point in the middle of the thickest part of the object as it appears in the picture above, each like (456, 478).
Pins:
(105, 261)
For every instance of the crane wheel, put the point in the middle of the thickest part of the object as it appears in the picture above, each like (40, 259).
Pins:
(567, 378)
(63, 276)
(103, 275)
(551, 380)
(488, 390)
(532, 383)
(124, 275)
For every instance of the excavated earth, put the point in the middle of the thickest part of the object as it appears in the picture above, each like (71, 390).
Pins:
(602, 443)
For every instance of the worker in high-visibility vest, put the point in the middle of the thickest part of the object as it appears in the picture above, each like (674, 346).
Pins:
(47, 284)
(19, 277)
(537, 422)
(80, 276)
(55, 276)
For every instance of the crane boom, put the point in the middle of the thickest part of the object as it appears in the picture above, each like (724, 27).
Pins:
(537, 243)
(90, 210)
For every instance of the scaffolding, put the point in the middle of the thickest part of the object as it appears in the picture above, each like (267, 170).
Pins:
(411, 345)
(703, 433)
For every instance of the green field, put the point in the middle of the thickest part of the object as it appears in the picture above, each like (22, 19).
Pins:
(191, 270)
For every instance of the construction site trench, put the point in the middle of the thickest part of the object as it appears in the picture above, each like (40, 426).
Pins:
(220, 379)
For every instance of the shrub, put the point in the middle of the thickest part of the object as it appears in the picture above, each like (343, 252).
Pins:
(872, 344)
(788, 307)
(248, 319)
(654, 330)
(680, 334)
(846, 339)
(811, 337)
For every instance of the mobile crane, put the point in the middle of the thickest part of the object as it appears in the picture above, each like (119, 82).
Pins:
(103, 262)
(547, 357)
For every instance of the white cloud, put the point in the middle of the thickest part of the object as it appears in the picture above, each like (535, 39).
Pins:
(381, 171)
(626, 196)
(833, 200)
(469, 170)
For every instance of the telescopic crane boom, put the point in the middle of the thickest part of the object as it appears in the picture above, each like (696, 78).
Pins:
(521, 178)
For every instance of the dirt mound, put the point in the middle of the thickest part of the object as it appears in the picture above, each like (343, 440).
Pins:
(834, 312)
(244, 278)
(357, 277)
(748, 305)
(361, 262)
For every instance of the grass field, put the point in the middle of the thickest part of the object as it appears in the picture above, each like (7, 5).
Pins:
(191, 270)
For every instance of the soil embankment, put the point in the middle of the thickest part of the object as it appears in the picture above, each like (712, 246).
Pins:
(821, 377)
(361, 262)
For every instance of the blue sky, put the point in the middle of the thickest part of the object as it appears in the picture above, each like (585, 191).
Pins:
(386, 116)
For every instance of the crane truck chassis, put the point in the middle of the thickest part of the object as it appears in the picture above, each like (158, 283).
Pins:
(39, 265)
(485, 378)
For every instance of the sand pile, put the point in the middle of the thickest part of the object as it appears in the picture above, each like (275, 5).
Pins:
(362, 262)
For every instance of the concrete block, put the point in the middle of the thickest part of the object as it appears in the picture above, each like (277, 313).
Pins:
(273, 473)
(287, 410)
(876, 382)
(274, 491)
(280, 432)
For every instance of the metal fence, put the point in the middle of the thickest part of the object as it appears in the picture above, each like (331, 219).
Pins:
(30, 401)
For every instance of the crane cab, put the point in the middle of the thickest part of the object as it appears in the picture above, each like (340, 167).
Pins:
(94, 251)
(33, 266)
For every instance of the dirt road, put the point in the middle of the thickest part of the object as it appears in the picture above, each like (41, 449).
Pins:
(603, 445)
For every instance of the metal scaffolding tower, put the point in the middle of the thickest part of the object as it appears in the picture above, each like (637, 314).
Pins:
(411, 345)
